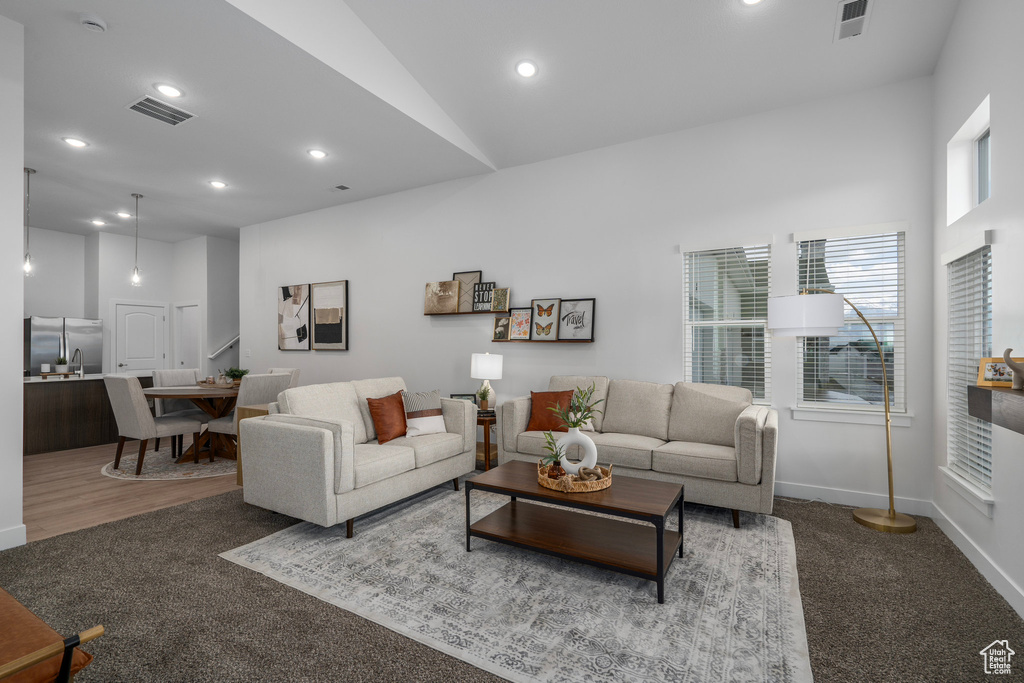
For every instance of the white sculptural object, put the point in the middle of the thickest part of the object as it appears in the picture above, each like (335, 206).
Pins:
(1018, 370)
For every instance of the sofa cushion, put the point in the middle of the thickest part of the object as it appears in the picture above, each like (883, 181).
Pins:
(332, 401)
(542, 418)
(626, 450)
(388, 415)
(431, 448)
(573, 382)
(638, 408)
(423, 414)
(706, 413)
(374, 388)
(375, 462)
(705, 461)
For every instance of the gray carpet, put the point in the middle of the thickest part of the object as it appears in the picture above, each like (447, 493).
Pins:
(877, 607)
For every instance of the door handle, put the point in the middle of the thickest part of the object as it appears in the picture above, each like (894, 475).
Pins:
(120, 365)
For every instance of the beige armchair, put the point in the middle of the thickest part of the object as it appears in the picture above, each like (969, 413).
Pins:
(254, 390)
(294, 372)
(176, 407)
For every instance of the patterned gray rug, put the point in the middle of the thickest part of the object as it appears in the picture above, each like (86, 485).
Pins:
(160, 466)
(732, 607)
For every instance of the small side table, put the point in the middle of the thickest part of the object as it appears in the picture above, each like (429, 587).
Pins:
(242, 412)
(486, 423)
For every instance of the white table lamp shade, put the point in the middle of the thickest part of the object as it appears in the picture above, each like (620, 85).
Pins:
(805, 315)
(485, 366)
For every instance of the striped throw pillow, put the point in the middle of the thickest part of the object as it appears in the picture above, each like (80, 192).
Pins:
(423, 413)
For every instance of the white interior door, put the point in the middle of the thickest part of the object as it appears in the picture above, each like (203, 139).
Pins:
(187, 346)
(139, 338)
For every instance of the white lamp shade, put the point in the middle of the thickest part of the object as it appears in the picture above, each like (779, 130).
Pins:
(805, 315)
(485, 366)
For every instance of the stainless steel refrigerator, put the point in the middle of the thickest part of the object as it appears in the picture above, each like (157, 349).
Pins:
(47, 339)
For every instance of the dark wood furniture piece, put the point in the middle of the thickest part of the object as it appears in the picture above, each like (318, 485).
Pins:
(999, 405)
(620, 546)
(215, 402)
(242, 412)
(486, 423)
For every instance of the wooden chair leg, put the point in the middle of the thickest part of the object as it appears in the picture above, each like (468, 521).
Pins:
(195, 448)
(142, 455)
(349, 531)
(181, 444)
(736, 518)
(157, 447)
(213, 444)
(120, 447)
(456, 482)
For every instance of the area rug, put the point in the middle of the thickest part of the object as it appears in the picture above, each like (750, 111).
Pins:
(732, 608)
(160, 466)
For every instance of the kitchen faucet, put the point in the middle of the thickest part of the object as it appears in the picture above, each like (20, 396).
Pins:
(81, 360)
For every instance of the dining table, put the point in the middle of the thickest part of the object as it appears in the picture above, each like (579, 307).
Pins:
(215, 401)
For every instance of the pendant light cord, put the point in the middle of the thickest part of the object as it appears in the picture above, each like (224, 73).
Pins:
(28, 205)
(137, 231)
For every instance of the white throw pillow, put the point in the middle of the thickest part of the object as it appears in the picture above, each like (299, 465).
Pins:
(423, 413)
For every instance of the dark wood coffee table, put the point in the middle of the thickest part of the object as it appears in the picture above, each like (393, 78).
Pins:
(620, 546)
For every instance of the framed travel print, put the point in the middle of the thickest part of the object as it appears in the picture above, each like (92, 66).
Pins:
(329, 301)
(519, 324)
(441, 297)
(576, 319)
(466, 280)
(993, 372)
(545, 320)
(465, 397)
(293, 318)
(482, 296)
(499, 300)
(501, 327)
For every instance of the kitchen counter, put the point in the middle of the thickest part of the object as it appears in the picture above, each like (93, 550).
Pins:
(54, 380)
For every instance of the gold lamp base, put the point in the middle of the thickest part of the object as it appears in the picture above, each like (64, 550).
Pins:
(881, 520)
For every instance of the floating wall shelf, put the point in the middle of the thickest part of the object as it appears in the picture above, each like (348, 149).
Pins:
(540, 341)
(467, 313)
(1000, 406)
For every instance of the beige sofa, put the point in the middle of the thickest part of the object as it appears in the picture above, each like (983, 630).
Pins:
(316, 456)
(709, 437)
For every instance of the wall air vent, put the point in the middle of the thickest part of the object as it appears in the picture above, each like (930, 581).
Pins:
(341, 187)
(161, 111)
(851, 19)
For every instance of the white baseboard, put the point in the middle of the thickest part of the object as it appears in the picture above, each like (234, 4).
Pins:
(909, 506)
(12, 537)
(1006, 587)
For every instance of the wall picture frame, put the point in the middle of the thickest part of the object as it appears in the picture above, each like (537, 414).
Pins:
(545, 319)
(482, 296)
(501, 328)
(293, 318)
(464, 397)
(466, 280)
(576, 319)
(993, 372)
(329, 305)
(500, 299)
(519, 323)
(441, 298)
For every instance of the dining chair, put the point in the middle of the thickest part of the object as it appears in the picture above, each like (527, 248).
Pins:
(293, 371)
(254, 390)
(176, 407)
(134, 421)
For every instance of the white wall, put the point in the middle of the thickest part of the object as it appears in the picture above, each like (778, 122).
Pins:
(981, 57)
(608, 224)
(57, 286)
(12, 278)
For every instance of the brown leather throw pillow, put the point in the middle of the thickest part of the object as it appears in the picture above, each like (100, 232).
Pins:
(388, 415)
(542, 419)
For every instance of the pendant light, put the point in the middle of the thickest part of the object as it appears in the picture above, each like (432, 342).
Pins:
(28, 196)
(136, 277)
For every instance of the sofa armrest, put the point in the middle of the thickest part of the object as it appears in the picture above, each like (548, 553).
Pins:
(342, 445)
(749, 443)
(460, 418)
(512, 419)
(769, 448)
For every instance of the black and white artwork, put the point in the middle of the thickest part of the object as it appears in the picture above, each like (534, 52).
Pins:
(293, 318)
(330, 315)
(576, 319)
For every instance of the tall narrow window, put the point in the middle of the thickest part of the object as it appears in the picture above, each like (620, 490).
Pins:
(969, 440)
(845, 370)
(983, 159)
(725, 294)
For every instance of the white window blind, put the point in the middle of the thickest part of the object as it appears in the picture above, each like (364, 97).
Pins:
(725, 294)
(845, 370)
(969, 440)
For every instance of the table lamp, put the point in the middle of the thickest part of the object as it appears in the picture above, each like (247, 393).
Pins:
(821, 315)
(485, 366)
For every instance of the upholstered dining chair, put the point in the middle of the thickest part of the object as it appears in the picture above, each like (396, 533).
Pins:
(176, 407)
(293, 371)
(134, 421)
(254, 390)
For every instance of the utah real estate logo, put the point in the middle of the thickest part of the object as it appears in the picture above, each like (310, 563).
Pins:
(997, 657)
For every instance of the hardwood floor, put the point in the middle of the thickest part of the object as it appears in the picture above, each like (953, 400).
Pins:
(64, 491)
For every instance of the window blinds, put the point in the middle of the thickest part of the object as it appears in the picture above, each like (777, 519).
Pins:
(725, 294)
(969, 440)
(845, 369)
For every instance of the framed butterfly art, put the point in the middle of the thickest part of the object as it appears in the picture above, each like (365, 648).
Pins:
(545, 314)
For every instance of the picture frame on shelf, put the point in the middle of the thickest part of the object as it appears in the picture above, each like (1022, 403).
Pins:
(466, 280)
(545, 314)
(329, 303)
(993, 372)
(465, 397)
(499, 300)
(501, 328)
(576, 319)
(482, 296)
(293, 318)
(441, 297)
(519, 323)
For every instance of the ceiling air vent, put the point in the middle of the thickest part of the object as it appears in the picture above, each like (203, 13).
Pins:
(851, 19)
(341, 187)
(161, 111)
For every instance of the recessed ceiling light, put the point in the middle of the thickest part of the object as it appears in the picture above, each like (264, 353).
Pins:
(751, 2)
(526, 69)
(168, 90)
(75, 142)
(317, 153)
(97, 221)
(123, 214)
(219, 184)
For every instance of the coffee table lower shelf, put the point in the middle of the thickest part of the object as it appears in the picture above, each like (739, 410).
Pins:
(611, 544)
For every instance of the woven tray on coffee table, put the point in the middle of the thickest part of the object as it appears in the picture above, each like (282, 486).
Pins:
(569, 483)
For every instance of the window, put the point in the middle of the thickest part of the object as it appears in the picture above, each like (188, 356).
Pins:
(983, 162)
(969, 440)
(725, 294)
(845, 370)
